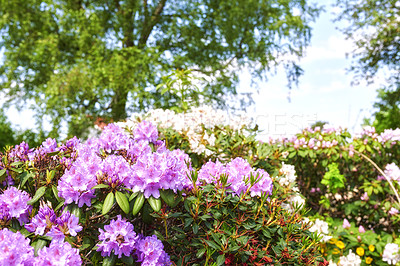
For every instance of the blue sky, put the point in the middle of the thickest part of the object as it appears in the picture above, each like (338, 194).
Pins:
(324, 92)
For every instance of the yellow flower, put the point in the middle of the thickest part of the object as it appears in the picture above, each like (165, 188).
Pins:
(371, 248)
(333, 241)
(340, 244)
(368, 260)
(335, 251)
(360, 251)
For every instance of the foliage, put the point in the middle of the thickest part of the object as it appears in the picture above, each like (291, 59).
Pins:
(80, 60)
(333, 174)
(373, 26)
(7, 137)
(204, 223)
(221, 228)
(387, 112)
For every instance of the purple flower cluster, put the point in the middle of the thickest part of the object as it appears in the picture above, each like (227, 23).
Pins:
(46, 222)
(116, 159)
(15, 249)
(76, 183)
(49, 145)
(118, 237)
(59, 253)
(150, 252)
(237, 171)
(146, 131)
(13, 204)
(155, 171)
(20, 152)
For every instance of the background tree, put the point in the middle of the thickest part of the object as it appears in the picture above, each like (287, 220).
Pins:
(82, 59)
(375, 28)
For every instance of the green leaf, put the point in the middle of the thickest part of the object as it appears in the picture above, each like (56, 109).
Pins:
(53, 153)
(25, 177)
(122, 201)
(110, 260)
(200, 252)
(133, 195)
(108, 203)
(138, 203)
(100, 186)
(127, 260)
(39, 193)
(55, 192)
(221, 259)
(168, 197)
(155, 203)
(50, 175)
(39, 244)
(60, 205)
(212, 244)
(2, 172)
(16, 164)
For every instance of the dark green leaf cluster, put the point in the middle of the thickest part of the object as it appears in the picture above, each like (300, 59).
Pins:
(219, 227)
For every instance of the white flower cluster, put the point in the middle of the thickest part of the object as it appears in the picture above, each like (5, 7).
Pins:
(350, 260)
(295, 201)
(392, 171)
(391, 254)
(191, 123)
(321, 227)
(287, 175)
(287, 178)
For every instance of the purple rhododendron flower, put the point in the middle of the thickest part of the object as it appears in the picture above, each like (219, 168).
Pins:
(4, 213)
(155, 171)
(116, 159)
(116, 170)
(150, 252)
(145, 131)
(264, 185)
(16, 202)
(66, 224)
(114, 138)
(210, 172)
(20, 152)
(237, 171)
(43, 221)
(76, 183)
(117, 237)
(15, 249)
(59, 253)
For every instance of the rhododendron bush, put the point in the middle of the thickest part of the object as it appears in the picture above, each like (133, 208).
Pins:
(198, 188)
(133, 196)
(338, 177)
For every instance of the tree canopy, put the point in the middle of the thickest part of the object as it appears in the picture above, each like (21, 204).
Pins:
(375, 28)
(82, 59)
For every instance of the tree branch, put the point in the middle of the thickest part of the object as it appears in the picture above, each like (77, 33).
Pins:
(149, 23)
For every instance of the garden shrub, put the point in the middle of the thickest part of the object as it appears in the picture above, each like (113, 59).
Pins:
(124, 198)
(338, 175)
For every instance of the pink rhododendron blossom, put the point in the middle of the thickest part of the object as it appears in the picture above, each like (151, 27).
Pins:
(365, 197)
(361, 229)
(346, 224)
(393, 211)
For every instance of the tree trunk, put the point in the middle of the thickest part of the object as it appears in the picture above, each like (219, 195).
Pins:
(118, 105)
